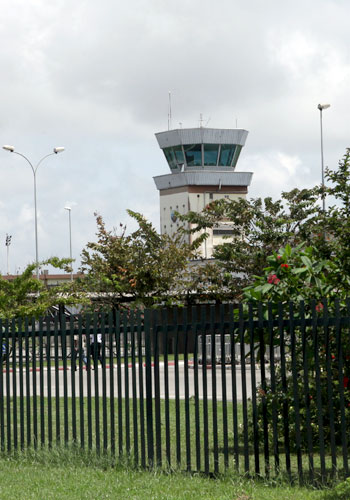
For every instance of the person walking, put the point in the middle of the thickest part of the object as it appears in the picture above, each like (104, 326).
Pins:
(95, 348)
(77, 352)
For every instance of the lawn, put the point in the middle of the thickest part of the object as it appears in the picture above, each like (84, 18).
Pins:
(65, 474)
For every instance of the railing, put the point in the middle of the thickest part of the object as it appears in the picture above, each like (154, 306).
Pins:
(203, 389)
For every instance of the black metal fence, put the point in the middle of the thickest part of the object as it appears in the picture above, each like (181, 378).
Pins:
(257, 390)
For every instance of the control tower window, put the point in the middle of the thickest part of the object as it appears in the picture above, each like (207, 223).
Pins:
(211, 154)
(193, 153)
(179, 155)
(170, 156)
(226, 155)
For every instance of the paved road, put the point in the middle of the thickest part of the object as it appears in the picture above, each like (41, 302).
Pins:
(171, 373)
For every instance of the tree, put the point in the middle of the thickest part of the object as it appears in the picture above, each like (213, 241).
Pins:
(27, 296)
(299, 287)
(258, 228)
(143, 267)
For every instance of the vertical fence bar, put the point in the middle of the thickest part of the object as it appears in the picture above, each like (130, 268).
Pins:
(41, 383)
(82, 354)
(177, 389)
(35, 407)
(48, 378)
(295, 376)
(14, 384)
(205, 389)
(339, 347)
(119, 383)
(65, 376)
(330, 358)
(253, 386)
(318, 389)
(8, 386)
(273, 389)
(157, 391)
(88, 336)
(263, 392)
(244, 389)
(57, 383)
(28, 401)
(306, 354)
(223, 384)
(164, 323)
(126, 383)
(187, 390)
(213, 391)
(21, 385)
(134, 388)
(2, 399)
(232, 327)
(111, 332)
(74, 352)
(96, 355)
(104, 383)
(140, 337)
(149, 403)
(285, 404)
(196, 388)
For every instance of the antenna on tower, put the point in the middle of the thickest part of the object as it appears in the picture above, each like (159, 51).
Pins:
(201, 120)
(169, 112)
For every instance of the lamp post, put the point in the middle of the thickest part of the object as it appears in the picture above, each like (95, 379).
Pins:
(8, 243)
(57, 150)
(70, 239)
(321, 107)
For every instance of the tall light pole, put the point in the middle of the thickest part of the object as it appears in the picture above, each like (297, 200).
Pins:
(8, 243)
(70, 240)
(321, 107)
(11, 149)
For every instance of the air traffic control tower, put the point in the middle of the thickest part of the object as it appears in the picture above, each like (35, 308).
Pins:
(202, 163)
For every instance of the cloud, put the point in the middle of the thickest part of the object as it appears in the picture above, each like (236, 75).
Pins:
(94, 77)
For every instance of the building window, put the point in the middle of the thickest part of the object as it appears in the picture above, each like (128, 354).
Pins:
(193, 153)
(170, 157)
(211, 196)
(226, 155)
(179, 155)
(211, 154)
(222, 232)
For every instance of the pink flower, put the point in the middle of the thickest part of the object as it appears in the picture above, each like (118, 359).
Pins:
(279, 257)
(285, 265)
(319, 307)
(272, 279)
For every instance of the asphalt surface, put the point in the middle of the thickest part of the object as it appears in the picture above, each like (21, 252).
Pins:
(215, 382)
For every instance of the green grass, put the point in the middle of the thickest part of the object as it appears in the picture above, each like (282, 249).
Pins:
(101, 434)
(69, 474)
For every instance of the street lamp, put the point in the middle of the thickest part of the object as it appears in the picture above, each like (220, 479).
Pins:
(70, 240)
(11, 149)
(8, 243)
(321, 107)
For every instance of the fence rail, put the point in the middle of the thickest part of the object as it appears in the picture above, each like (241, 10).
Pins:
(260, 390)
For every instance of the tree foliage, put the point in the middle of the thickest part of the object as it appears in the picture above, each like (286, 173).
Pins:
(27, 296)
(143, 267)
(258, 227)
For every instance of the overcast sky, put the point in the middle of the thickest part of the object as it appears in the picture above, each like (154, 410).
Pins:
(94, 77)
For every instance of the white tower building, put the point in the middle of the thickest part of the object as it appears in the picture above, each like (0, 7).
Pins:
(202, 163)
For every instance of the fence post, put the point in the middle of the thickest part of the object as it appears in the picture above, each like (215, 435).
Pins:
(149, 409)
